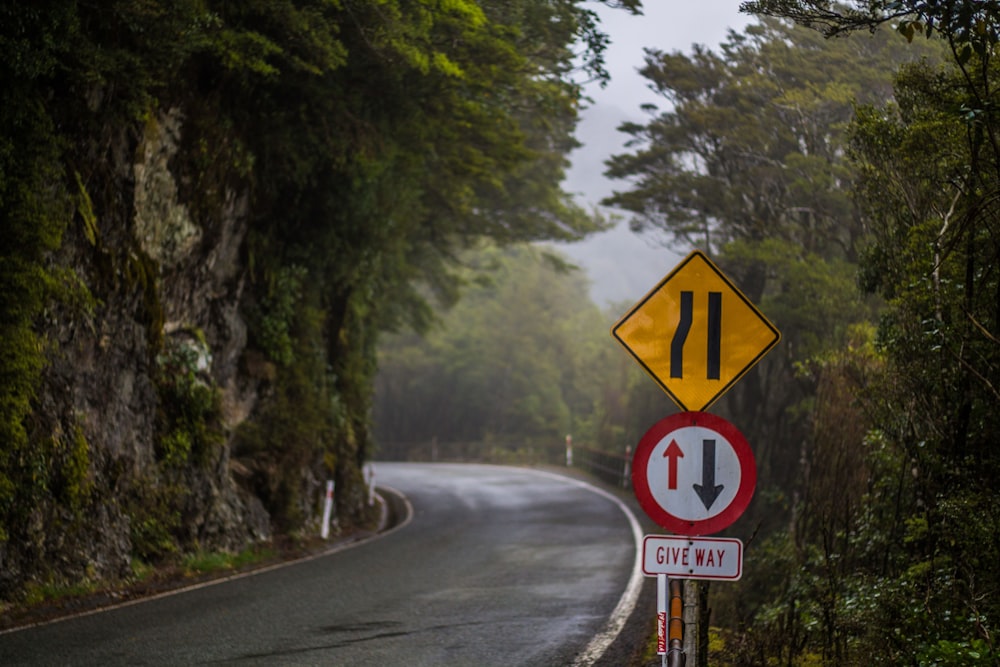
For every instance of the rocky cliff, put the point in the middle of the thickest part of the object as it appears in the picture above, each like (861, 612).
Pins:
(149, 376)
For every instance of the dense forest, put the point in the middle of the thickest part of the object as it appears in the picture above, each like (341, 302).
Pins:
(210, 212)
(247, 244)
(842, 165)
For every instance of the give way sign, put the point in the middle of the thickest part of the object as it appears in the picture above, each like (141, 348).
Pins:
(693, 473)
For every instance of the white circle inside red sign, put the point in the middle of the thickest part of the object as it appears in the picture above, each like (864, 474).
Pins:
(694, 473)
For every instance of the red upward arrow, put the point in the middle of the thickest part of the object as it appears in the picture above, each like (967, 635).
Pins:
(673, 453)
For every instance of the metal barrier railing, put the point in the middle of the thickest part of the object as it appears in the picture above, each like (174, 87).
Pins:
(608, 466)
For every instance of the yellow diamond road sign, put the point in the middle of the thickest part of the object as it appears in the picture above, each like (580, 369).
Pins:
(695, 333)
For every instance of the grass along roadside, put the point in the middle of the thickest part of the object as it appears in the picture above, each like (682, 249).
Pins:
(47, 601)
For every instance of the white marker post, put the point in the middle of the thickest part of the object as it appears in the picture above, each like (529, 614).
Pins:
(371, 484)
(569, 451)
(324, 530)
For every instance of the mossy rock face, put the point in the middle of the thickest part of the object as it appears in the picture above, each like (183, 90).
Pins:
(163, 225)
(132, 449)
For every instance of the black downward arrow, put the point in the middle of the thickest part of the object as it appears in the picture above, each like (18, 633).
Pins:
(707, 490)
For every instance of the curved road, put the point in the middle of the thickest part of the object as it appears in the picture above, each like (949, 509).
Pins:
(498, 566)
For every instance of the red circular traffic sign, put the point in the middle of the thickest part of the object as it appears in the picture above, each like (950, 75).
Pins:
(693, 473)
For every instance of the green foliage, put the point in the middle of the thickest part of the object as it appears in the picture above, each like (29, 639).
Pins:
(961, 653)
(189, 418)
(870, 443)
(427, 128)
(294, 434)
(201, 562)
(814, 296)
(72, 482)
(207, 562)
(519, 358)
(274, 318)
(36, 593)
(85, 208)
(893, 556)
(972, 27)
(751, 147)
(34, 210)
(154, 518)
(931, 257)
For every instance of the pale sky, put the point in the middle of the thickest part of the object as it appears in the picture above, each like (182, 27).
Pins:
(621, 265)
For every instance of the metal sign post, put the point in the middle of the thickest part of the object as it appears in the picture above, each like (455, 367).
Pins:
(669, 621)
(676, 656)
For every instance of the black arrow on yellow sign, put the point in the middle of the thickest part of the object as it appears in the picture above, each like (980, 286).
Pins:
(713, 360)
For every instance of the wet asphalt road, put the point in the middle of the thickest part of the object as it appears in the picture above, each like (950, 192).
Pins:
(498, 566)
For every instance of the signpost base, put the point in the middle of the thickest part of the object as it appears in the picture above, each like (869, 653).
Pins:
(676, 655)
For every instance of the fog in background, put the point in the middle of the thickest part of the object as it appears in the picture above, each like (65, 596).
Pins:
(622, 265)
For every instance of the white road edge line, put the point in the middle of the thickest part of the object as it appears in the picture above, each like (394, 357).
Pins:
(626, 604)
(233, 577)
